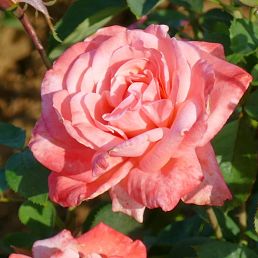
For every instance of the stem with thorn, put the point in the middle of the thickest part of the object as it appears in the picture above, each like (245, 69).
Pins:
(19, 13)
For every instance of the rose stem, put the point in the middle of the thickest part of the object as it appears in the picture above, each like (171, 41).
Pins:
(242, 217)
(214, 223)
(19, 13)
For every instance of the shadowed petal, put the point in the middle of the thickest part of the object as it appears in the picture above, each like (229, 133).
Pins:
(213, 190)
(121, 201)
(59, 155)
(166, 187)
(70, 190)
(137, 145)
(62, 245)
(166, 148)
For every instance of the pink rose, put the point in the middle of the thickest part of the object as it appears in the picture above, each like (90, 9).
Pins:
(133, 112)
(100, 242)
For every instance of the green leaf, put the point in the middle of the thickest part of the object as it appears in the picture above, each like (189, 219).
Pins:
(256, 221)
(19, 239)
(229, 227)
(185, 247)
(244, 36)
(252, 235)
(179, 231)
(179, 237)
(11, 135)
(3, 184)
(235, 148)
(219, 249)
(251, 105)
(117, 220)
(216, 24)
(235, 58)
(27, 177)
(255, 75)
(251, 209)
(169, 17)
(40, 218)
(82, 19)
(142, 7)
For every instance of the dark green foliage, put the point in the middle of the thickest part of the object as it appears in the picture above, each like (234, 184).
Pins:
(27, 177)
(3, 184)
(141, 7)
(83, 18)
(11, 136)
(116, 220)
(39, 218)
(236, 153)
(251, 106)
(216, 24)
(244, 36)
(217, 249)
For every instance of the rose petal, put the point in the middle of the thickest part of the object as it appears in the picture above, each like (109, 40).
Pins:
(138, 145)
(104, 33)
(230, 84)
(70, 189)
(215, 49)
(76, 72)
(120, 80)
(122, 108)
(161, 31)
(136, 38)
(152, 91)
(54, 78)
(79, 113)
(165, 149)
(202, 82)
(111, 243)
(58, 155)
(121, 201)
(62, 245)
(164, 188)
(53, 82)
(213, 190)
(159, 111)
(181, 85)
(133, 123)
(103, 162)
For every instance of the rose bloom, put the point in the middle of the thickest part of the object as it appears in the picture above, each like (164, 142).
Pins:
(100, 242)
(133, 112)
